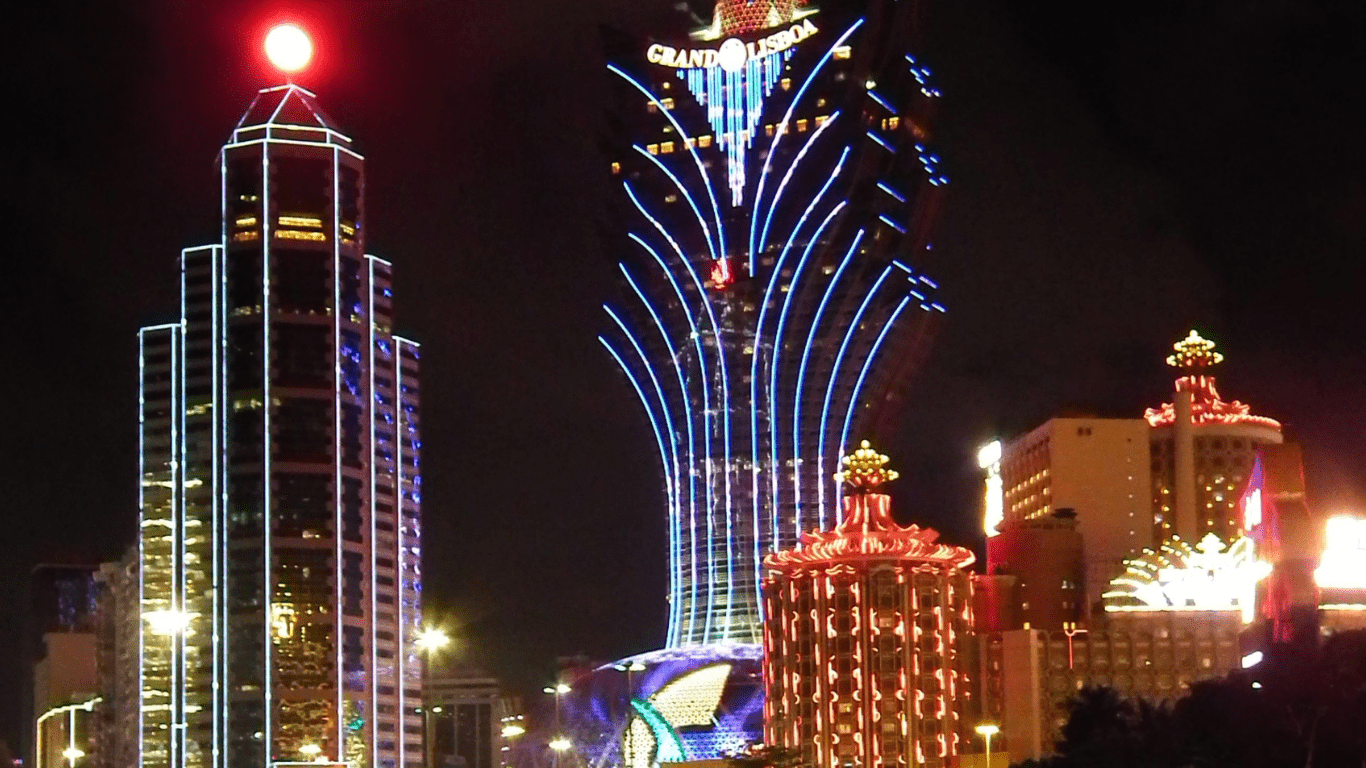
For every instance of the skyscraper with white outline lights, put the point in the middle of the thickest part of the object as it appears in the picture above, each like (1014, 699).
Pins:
(280, 475)
(777, 183)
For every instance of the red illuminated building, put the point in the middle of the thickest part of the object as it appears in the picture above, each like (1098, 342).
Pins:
(867, 636)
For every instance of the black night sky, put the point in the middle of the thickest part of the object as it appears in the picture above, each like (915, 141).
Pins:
(1120, 174)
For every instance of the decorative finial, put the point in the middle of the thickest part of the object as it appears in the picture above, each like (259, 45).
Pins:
(1194, 354)
(863, 469)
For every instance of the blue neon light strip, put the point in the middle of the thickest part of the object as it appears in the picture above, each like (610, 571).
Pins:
(881, 141)
(801, 370)
(830, 390)
(706, 231)
(883, 218)
(777, 348)
(773, 376)
(885, 105)
(791, 169)
(882, 185)
(692, 150)
(863, 373)
(676, 603)
(725, 397)
(670, 477)
(778, 137)
(706, 429)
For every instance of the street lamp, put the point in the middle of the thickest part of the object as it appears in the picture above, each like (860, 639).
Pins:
(431, 639)
(560, 744)
(987, 730)
(72, 754)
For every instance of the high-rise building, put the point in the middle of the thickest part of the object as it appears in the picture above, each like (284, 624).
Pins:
(280, 474)
(868, 637)
(776, 184)
(117, 662)
(1203, 449)
(1096, 468)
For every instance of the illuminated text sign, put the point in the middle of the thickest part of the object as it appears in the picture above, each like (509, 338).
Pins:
(732, 54)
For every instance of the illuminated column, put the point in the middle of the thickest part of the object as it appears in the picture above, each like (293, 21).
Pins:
(1187, 524)
(866, 637)
(993, 503)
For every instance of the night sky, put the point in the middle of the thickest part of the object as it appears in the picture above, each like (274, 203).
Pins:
(1119, 176)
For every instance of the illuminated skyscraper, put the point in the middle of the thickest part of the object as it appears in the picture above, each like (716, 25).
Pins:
(280, 477)
(776, 185)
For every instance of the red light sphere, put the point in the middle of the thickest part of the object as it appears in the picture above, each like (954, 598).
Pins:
(288, 47)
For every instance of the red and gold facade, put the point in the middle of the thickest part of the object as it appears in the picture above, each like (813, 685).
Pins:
(867, 639)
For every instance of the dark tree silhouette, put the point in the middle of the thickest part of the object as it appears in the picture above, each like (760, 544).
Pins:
(1299, 707)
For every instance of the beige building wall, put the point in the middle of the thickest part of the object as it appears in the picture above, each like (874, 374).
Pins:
(1097, 467)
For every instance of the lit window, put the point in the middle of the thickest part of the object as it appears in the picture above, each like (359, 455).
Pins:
(843, 52)
(666, 148)
(651, 108)
(891, 123)
(802, 124)
(616, 168)
(768, 129)
(668, 102)
(704, 141)
(671, 198)
(652, 149)
(785, 83)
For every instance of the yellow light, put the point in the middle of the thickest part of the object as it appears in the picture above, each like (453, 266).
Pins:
(560, 744)
(167, 622)
(288, 48)
(512, 730)
(72, 754)
(988, 729)
(300, 221)
(310, 750)
(432, 639)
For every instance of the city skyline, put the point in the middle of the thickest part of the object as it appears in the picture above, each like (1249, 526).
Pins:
(1026, 336)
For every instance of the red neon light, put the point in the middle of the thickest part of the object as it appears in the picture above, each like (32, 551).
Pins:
(1206, 407)
(869, 533)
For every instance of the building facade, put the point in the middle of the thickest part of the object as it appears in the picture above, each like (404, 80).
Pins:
(776, 183)
(1202, 449)
(464, 719)
(1096, 468)
(280, 484)
(868, 645)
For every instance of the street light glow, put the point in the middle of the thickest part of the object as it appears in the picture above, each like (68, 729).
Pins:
(512, 730)
(73, 754)
(432, 639)
(988, 729)
(288, 48)
(560, 744)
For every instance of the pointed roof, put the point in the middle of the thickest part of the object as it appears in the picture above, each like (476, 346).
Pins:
(869, 533)
(288, 106)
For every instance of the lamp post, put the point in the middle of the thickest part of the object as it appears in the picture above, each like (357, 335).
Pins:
(1069, 628)
(559, 743)
(628, 668)
(428, 641)
(987, 730)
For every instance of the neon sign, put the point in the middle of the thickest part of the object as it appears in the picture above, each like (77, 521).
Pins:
(733, 53)
(1179, 577)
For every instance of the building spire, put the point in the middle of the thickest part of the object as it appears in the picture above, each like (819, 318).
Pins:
(864, 470)
(1194, 355)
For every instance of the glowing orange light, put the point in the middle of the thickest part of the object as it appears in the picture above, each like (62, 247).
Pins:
(288, 47)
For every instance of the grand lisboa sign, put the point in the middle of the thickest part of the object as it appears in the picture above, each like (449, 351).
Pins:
(733, 53)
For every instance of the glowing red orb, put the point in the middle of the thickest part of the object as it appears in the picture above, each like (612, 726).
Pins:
(288, 48)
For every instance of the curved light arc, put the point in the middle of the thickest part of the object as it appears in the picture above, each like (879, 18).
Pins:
(858, 383)
(781, 130)
(676, 610)
(806, 356)
(706, 231)
(830, 389)
(792, 170)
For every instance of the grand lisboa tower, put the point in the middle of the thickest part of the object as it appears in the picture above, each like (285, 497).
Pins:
(776, 182)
